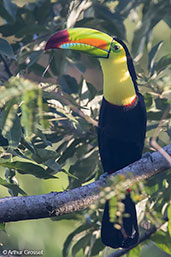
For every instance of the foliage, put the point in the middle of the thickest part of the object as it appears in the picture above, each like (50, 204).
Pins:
(50, 125)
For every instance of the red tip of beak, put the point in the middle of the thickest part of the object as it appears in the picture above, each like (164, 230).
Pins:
(57, 39)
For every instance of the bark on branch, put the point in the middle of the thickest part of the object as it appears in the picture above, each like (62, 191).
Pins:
(56, 204)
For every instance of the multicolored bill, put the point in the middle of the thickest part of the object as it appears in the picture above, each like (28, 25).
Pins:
(86, 40)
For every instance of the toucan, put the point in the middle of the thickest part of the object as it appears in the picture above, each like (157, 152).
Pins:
(122, 118)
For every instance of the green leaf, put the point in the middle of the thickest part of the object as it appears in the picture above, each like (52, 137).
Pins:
(152, 55)
(29, 112)
(68, 241)
(153, 13)
(156, 115)
(15, 133)
(106, 17)
(148, 100)
(163, 63)
(24, 167)
(2, 227)
(161, 104)
(90, 93)
(135, 251)
(53, 166)
(6, 49)
(4, 14)
(42, 10)
(98, 246)
(43, 155)
(8, 116)
(70, 150)
(32, 109)
(69, 84)
(162, 240)
(167, 19)
(83, 242)
(31, 29)
(33, 57)
(112, 209)
(11, 8)
(56, 62)
(87, 164)
(169, 217)
(13, 187)
(38, 70)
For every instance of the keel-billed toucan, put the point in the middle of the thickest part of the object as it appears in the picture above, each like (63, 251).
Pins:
(122, 119)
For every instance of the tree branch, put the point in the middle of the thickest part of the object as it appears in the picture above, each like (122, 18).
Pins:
(56, 204)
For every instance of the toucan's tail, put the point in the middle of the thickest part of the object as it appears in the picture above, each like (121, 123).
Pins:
(128, 235)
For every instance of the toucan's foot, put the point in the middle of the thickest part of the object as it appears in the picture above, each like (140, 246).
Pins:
(147, 155)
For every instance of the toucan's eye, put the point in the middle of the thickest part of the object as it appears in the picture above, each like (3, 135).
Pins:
(116, 48)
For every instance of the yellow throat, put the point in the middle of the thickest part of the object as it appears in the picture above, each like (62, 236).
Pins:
(118, 87)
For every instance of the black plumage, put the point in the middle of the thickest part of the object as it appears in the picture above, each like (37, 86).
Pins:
(121, 134)
(128, 235)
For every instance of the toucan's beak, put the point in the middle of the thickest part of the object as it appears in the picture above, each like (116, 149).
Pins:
(90, 41)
